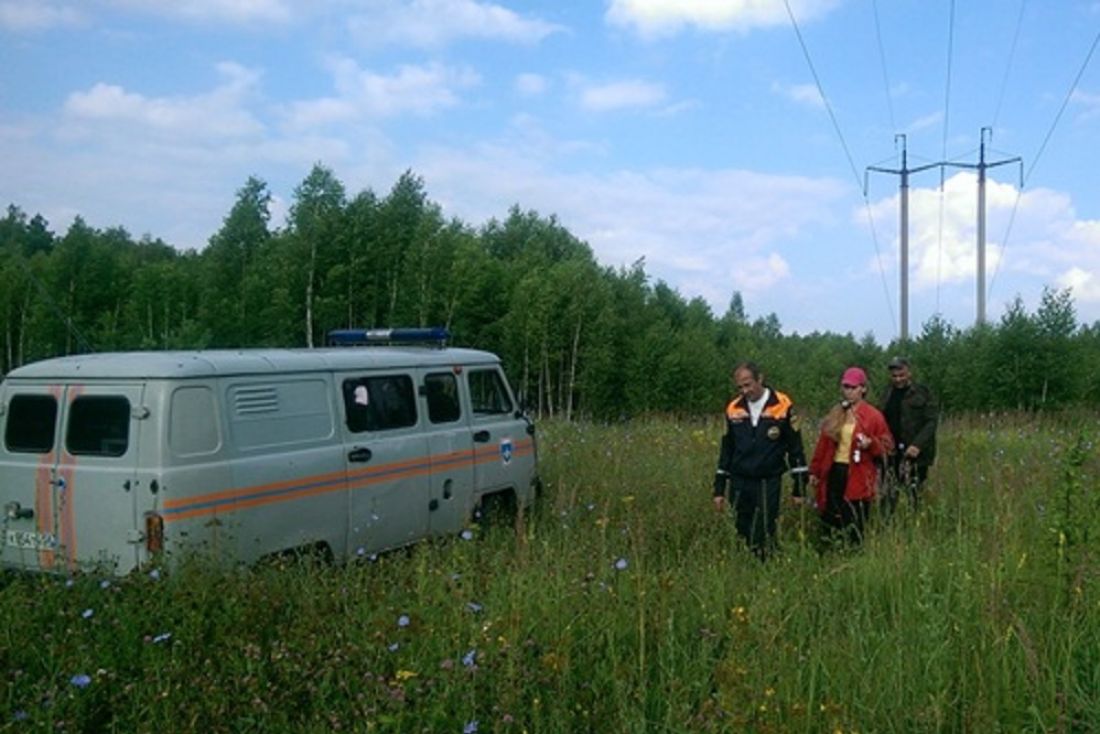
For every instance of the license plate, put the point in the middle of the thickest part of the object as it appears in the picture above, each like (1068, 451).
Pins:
(30, 540)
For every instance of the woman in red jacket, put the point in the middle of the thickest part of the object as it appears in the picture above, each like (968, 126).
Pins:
(843, 469)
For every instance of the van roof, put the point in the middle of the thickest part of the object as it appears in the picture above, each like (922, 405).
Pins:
(221, 363)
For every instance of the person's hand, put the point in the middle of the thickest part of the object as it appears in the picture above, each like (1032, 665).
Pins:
(719, 503)
(912, 452)
(863, 440)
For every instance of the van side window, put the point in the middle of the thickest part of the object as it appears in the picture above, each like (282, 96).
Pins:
(487, 393)
(442, 390)
(379, 403)
(193, 422)
(98, 426)
(31, 423)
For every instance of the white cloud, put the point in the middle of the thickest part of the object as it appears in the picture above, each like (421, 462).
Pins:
(1090, 104)
(35, 15)
(362, 93)
(1084, 284)
(1083, 276)
(942, 229)
(233, 11)
(531, 85)
(708, 232)
(759, 273)
(433, 23)
(630, 93)
(220, 113)
(925, 122)
(1031, 238)
(652, 18)
(803, 94)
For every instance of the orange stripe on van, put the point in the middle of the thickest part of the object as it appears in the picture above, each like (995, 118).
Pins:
(229, 494)
(43, 490)
(66, 497)
(43, 503)
(240, 498)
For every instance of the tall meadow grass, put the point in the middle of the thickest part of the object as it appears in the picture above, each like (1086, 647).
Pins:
(622, 603)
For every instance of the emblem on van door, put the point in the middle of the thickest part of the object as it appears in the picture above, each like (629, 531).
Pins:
(505, 450)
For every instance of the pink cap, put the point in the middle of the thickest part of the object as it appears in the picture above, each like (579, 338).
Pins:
(854, 376)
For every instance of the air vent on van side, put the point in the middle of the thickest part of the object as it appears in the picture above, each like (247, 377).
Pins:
(254, 400)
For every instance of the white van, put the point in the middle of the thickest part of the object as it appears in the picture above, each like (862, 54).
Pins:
(111, 460)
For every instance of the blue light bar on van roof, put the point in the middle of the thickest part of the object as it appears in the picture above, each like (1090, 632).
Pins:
(365, 337)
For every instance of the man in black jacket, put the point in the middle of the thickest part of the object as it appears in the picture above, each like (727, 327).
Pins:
(913, 414)
(761, 442)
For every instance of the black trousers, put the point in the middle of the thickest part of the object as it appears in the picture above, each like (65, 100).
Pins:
(845, 519)
(756, 509)
(901, 476)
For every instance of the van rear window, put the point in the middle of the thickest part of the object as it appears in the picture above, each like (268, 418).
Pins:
(379, 403)
(98, 426)
(31, 423)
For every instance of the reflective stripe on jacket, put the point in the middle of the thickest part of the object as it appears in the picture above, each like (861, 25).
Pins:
(767, 449)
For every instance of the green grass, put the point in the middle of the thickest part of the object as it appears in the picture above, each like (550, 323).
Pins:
(623, 603)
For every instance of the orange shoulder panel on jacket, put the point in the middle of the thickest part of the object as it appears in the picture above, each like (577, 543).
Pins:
(735, 411)
(779, 408)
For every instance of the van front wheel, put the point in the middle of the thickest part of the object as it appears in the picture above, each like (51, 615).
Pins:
(498, 509)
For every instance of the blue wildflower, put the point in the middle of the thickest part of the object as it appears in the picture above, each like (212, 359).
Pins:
(162, 637)
(621, 564)
(474, 607)
(469, 660)
(155, 574)
(470, 727)
(81, 680)
(394, 646)
(403, 620)
(104, 584)
(467, 535)
(20, 715)
(87, 613)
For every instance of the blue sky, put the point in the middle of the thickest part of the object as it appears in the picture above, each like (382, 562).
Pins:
(690, 132)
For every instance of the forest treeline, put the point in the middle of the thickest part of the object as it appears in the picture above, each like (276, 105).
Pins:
(578, 339)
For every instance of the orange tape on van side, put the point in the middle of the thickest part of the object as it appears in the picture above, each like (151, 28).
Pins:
(43, 490)
(43, 503)
(66, 497)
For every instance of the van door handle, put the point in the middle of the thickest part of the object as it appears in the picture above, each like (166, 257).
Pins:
(360, 455)
(481, 436)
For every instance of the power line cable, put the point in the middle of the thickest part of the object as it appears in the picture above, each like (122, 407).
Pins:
(847, 154)
(48, 299)
(882, 61)
(1042, 148)
(996, 116)
(943, 150)
(1008, 65)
